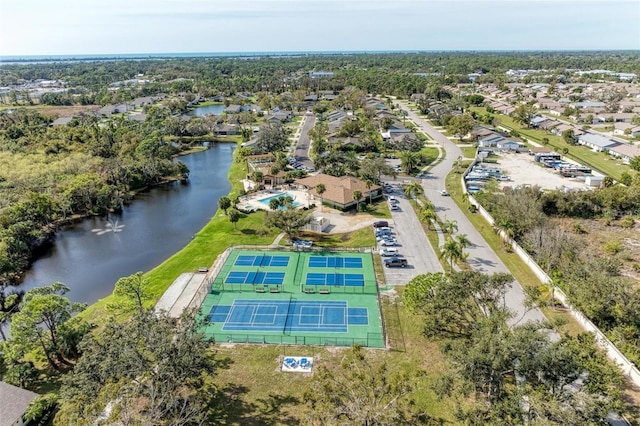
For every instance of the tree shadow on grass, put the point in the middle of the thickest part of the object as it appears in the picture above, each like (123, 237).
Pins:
(262, 412)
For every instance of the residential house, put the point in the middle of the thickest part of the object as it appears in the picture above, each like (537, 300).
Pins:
(280, 116)
(490, 141)
(233, 109)
(226, 130)
(626, 151)
(480, 132)
(14, 401)
(339, 190)
(509, 145)
(376, 104)
(594, 105)
(560, 128)
(549, 124)
(537, 121)
(321, 74)
(597, 143)
(396, 128)
(619, 117)
(627, 129)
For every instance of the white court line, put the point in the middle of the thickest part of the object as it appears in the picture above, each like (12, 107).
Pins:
(275, 314)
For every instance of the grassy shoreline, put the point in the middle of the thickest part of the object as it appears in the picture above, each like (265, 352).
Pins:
(202, 250)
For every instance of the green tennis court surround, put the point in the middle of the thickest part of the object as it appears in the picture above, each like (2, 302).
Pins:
(320, 298)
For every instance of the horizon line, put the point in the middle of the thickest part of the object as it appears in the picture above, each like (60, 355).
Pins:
(294, 52)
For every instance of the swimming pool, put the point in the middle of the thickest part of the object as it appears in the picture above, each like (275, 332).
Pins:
(266, 200)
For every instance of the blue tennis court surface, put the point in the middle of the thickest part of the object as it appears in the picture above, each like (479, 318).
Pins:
(334, 262)
(246, 260)
(288, 316)
(335, 279)
(242, 277)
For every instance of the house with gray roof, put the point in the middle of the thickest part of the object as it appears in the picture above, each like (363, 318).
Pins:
(490, 141)
(14, 401)
(597, 143)
(589, 105)
(233, 109)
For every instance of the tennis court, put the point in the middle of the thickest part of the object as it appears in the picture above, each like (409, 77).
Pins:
(267, 278)
(314, 278)
(334, 262)
(288, 316)
(262, 260)
(291, 297)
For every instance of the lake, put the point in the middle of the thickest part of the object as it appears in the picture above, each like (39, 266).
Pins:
(90, 256)
(206, 110)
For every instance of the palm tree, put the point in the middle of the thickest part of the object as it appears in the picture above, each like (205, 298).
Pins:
(413, 189)
(451, 252)
(463, 241)
(408, 161)
(357, 196)
(369, 183)
(320, 189)
(450, 226)
(274, 203)
(428, 214)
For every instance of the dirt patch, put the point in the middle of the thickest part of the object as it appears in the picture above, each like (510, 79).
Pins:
(342, 222)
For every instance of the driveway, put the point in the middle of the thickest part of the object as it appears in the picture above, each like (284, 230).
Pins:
(481, 256)
(413, 243)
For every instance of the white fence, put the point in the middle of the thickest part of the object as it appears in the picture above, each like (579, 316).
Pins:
(613, 353)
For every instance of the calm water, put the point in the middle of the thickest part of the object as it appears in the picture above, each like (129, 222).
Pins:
(209, 109)
(155, 225)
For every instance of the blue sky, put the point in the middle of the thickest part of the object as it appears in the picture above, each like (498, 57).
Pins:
(58, 27)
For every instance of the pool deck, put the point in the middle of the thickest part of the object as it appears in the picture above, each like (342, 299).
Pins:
(252, 201)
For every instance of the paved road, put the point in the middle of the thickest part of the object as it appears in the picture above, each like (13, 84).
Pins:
(481, 256)
(302, 149)
(414, 245)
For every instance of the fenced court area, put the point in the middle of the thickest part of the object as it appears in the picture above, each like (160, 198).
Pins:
(319, 298)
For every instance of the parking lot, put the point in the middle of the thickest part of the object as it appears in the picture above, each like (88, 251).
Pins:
(523, 170)
(412, 243)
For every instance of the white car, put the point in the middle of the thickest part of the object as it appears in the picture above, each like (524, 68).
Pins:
(388, 242)
(444, 193)
(389, 251)
(394, 207)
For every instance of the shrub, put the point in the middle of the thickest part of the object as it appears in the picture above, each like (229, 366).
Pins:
(627, 222)
(613, 247)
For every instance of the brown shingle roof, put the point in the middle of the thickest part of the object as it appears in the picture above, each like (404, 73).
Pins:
(337, 189)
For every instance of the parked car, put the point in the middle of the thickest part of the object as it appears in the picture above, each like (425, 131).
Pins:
(387, 242)
(383, 231)
(381, 224)
(389, 251)
(395, 262)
